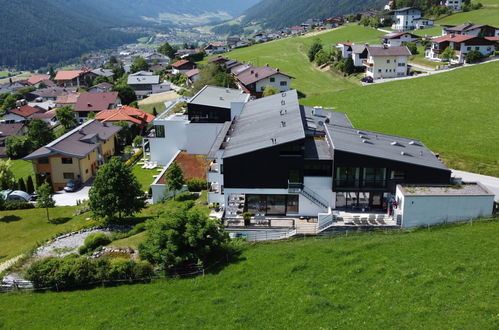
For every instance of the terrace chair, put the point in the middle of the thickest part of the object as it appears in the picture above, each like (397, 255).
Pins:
(356, 220)
(364, 221)
(372, 219)
(381, 219)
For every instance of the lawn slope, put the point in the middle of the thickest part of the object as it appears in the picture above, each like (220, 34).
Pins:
(437, 278)
(453, 113)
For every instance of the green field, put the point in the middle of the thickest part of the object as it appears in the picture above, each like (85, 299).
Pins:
(22, 229)
(290, 56)
(434, 31)
(144, 176)
(22, 168)
(442, 278)
(482, 16)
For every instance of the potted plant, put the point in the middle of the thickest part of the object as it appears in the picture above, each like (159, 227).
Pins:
(247, 218)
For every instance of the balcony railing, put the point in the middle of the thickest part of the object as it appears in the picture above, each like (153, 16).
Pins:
(360, 183)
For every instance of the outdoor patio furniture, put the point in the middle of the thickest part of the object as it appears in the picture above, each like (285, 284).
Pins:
(356, 220)
(364, 221)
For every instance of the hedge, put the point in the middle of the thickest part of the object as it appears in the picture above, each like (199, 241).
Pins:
(134, 158)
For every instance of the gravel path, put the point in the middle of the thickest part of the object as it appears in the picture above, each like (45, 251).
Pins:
(66, 244)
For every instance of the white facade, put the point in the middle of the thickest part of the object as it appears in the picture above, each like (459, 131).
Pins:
(404, 20)
(432, 53)
(386, 66)
(345, 50)
(400, 40)
(279, 81)
(423, 23)
(454, 4)
(13, 118)
(423, 210)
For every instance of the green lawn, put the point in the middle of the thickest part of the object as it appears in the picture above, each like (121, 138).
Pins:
(6, 74)
(421, 60)
(428, 279)
(453, 113)
(290, 56)
(130, 242)
(434, 31)
(144, 176)
(22, 168)
(22, 229)
(482, 16)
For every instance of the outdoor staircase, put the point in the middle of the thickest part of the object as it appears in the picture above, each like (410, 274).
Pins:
(308, 194)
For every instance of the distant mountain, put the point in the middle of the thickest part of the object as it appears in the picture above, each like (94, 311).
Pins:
(35, 33)
(286, 13)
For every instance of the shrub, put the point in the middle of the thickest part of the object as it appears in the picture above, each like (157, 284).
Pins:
(473, 56)
(196, 185)
(94, 241)
(82, 208)
(134, 158)
(11, 206)
(137, 141)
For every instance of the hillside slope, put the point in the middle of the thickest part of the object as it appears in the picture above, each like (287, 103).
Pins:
(36, 33)
(438, 278)
(279, 13)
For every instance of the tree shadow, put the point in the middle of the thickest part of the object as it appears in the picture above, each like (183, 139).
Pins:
(59, 221)
(10, 218)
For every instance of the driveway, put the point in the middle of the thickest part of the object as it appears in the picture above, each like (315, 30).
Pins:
(63, 198)
(491, 182)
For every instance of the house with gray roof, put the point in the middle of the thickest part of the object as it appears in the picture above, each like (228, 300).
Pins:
(278, 158)
(143, 83)
(387, 62)
(76, 155)
(254, 80)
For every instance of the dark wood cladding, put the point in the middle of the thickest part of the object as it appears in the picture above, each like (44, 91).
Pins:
(206, 114)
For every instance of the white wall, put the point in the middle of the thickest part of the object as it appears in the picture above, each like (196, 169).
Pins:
(277, 83)
(164, 149)
(200, 137)
(12, 117)
(432, 210)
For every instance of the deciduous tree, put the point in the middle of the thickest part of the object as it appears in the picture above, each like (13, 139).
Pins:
(65, 115)
(175, 178)
(45, 199)
(7, 178)
(39, 133)
(270, 90)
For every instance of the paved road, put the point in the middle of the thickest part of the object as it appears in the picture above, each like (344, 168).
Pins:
(63, 198)
(492, 183)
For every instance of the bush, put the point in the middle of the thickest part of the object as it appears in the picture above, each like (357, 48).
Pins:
(134, 158)
(74, 272)
(94, 241)
(137, 141)
(12, 206)
(473, 56)
(196, 185)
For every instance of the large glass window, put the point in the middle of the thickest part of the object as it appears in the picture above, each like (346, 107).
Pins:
(347, 177)
(292, 204)
(318, 169)
(67, 160)
(374, 177)
(272, 204)
(256, 204)
(160, 131)
(276, 204)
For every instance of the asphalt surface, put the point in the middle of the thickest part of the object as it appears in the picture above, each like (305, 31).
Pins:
(491, 182)
(63, 198)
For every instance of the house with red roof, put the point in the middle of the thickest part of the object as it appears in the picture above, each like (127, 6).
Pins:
(253, 80)
(95, 102)
(462, 45)
(133, 116)
(182, 66)
(471, 29)
(38, 79)
(74, 78)
(50, 117)
(215, 48)
(192, 76)
(297, 30)
(21, 114)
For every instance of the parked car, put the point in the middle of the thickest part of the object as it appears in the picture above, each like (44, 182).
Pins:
(15, 196)
(368, 80)
(72, 186)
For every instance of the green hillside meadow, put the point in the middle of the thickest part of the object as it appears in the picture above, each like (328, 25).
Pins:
(454, 113)
(441, 278)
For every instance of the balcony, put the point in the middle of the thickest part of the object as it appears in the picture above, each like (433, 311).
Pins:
(368, 64)
(360, 183)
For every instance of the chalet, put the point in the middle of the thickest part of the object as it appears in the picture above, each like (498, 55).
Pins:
(74, 78)
(143, 83)
(231, 41)
(7, 130)
(37, 80)
(399, 38)
(192, 76)
(219, 59)
(387, 62)
(279, 159)
(102, 87)
(20, 115)
(358, 53)
(182, 66)
(76, 155)
(333, 22)
(67, 100)
(453, 4)
(100, 72)
(50, 117)
(403, 18)
(462, 44)
(297, 30)
(345, 49)
(95, 102)
(133, 116)
(470, 29)
(215, 48)
(423, 23)
(254, 80)
(195, 130)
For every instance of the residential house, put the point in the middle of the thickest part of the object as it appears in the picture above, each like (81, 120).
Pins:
(74, 78)
(143, 83)
(76, 155)
(462, 44)
(390, 5)
(163, 87)
(102, 87)
(231, 41)
(7, 130)
(101, 72)
(133, 116)
(403, 18)
(399, 38)
(471, 29)
(215, 48)
(345, 49)
(254, 80)
(182, 66)
(95, 102)
(37, 80)
(358, 53)
(297, 30)
(192, 76)
(219, 59)
(260, 37)
(22, 114)
(453, 4)
(50, 93)
(50, 117)
(157, 58)
(423, 23)
(67, 100)
(387, 62)
(195, 130)
(241, 44)
(278, 158)
(333, 22)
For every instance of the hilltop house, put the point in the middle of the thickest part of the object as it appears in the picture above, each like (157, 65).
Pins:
(398, 38)
(358, 53)
(462, 44)
(215, 48)
(254, 80)
(278, 158)
(470, 29)
(95, 102)
(76, 155)
(143, 83)
(387, 62)
(297, 30)
(403, 18)
(20, 115)
(157, 58)
(182, 66)
(423, 23)
(74, 78)
(453, 4)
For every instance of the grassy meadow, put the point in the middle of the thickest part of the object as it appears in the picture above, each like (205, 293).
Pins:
(439, 278)
(487, 15)
(22, 168)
